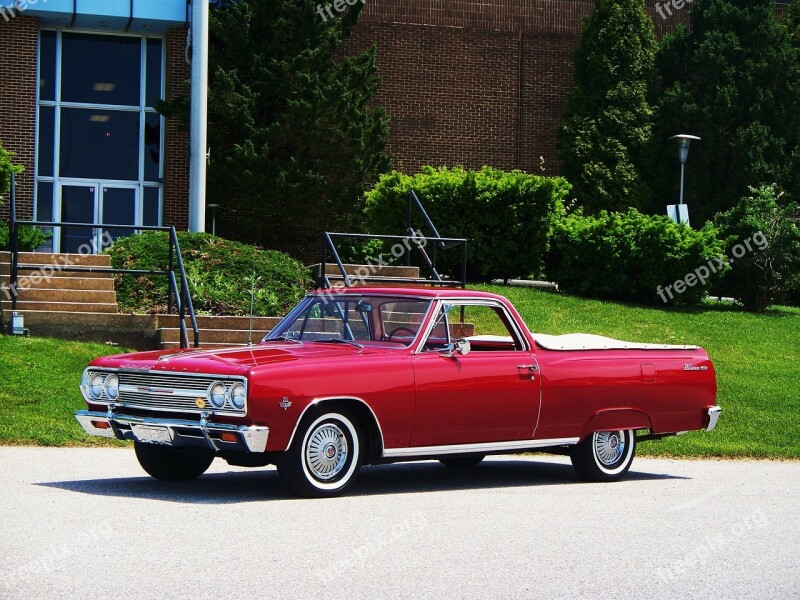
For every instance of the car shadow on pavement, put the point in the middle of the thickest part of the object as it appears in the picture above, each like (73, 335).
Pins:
(259, 485)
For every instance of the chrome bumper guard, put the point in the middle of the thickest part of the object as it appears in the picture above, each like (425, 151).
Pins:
(174, 432)
(713, 416)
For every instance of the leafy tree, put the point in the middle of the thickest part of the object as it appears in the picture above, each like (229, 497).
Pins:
(6, 168)
(734, 80)
(294, 141)
(763, 239)
(792, 22)
(607, 119)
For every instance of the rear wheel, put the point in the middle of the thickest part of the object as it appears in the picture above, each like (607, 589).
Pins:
(325, 456)
(170, 464)
(604, 455)
(463, 462)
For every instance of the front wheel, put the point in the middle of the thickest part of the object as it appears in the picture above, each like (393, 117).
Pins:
(168, 464)
(604, 455)
(325, 456)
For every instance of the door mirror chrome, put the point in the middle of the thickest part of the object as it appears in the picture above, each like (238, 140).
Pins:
(460, 346)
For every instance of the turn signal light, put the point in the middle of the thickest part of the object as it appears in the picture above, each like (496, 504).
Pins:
(228, 437)
(101, 424)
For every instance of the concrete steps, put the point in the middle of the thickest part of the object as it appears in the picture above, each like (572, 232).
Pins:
(43, 287)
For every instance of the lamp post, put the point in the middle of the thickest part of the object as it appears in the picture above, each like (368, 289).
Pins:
(684, 141)
(213, 208)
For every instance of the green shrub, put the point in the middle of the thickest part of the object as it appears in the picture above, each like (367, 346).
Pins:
(220, 274)
(763, 242)
(30, 238)
(506, 216)
(631, 256)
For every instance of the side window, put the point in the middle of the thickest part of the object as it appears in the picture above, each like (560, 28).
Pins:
(486, 326)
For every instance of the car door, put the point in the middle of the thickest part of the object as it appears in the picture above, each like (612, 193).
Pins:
(490, 394)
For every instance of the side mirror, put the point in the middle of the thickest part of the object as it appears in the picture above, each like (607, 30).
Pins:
(460, 346)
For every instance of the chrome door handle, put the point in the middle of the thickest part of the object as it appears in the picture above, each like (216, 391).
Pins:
(529, 367)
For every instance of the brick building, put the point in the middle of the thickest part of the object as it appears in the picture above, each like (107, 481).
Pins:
(464, 82)
(79, 81)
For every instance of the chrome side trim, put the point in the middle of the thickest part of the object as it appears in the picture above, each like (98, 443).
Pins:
(521, 338)
(487, 448)
(254, 438)
(317, 401)
(713, 416)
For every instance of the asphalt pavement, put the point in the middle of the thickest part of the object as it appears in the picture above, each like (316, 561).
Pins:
(87, 523)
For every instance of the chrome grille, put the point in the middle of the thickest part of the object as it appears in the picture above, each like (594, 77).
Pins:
(174, 392)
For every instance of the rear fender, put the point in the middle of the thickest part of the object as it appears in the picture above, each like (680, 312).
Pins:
(620, 418)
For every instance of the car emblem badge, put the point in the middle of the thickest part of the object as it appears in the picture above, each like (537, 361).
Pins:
(285, 404)
(200, 403)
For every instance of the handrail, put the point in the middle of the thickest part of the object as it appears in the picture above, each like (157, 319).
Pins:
(419, 242)
(181, 295)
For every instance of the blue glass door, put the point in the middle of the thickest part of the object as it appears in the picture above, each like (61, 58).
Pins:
(78, 205)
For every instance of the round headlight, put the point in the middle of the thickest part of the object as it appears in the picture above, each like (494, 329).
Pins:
(112, 387)
(85, 385)
(237, 396)
(96, 386)
(216, 394)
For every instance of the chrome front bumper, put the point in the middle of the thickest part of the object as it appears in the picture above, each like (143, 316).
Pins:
(175, 432)
(713, 416)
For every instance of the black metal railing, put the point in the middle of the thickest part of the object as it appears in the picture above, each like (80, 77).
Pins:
(412, 241)
(179, 297)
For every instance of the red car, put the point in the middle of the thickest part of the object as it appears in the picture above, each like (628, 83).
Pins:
(378, 375)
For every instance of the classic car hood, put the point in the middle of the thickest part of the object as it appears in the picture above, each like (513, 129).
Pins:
(229, 361)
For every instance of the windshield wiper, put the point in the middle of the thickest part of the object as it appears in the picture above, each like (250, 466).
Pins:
(282, 338)
(340, 341)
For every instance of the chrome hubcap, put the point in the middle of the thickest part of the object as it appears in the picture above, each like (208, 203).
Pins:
(609, 446)
(326, 451)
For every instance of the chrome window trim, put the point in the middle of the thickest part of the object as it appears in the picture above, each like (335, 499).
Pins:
(317, 401)
(488, 448)
(521, 338)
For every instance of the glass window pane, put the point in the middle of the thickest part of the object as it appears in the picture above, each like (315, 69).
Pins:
(44, 210)
(151, 207)
(44, 201)
(47, 66)
(46, 144)
(152, 147)
(154, 53)
(99, 144)
(119, 208)
(101, 69)
(77, 206)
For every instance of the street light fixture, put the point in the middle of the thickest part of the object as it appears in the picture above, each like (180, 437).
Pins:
(684, 141)
(213, 208)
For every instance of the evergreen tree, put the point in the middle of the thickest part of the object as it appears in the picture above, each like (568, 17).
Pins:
(294, 141)
(733, 80)
(607, 119)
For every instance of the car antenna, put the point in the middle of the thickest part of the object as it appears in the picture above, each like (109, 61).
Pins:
(252, 298)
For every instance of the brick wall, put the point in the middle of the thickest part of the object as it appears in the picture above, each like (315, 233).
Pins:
(176, 151)
(18, 43)
(477, 83)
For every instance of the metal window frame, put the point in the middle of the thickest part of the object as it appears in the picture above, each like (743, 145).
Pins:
(56, 179)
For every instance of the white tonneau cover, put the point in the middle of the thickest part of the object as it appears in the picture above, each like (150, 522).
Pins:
(586, 341)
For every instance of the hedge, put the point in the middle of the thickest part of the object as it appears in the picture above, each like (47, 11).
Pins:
(220, 274)
(507, 217)
(632, 256)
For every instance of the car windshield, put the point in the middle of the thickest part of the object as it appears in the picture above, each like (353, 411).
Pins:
(391, 321)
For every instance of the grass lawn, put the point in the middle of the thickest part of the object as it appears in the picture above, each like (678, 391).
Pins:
(756, 357)
(39, 392)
